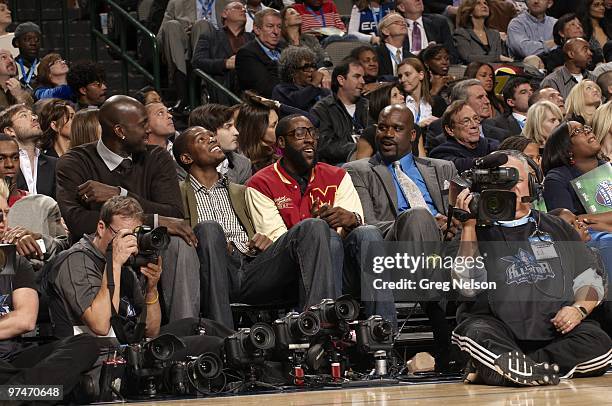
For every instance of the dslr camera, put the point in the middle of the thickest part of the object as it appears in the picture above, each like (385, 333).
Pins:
(151, 241)
(490, 187)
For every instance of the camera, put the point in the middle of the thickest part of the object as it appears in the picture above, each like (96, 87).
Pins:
(334, 315)
(295, 329)
(374, 334)
(151, 241)
(490, 186)
(198, 374)
(249, 345)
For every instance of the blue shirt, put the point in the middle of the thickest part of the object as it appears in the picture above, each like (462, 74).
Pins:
(527, 34)
(410, 169)
(273, 54)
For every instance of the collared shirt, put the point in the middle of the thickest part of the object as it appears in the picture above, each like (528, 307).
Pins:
(527, 34)
(421, 27)
(111, 160)
(393, 53)
(236, 41)
(410, 169)
(520, 118)
(424, 110)
(564, 81)
(29, 173)
(273, 54)
(214, 205)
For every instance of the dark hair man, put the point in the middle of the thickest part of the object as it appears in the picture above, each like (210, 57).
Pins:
(88, 82)
(530, 327)
(344, 114)
(299, 260)
(122, 164)
(516, 94)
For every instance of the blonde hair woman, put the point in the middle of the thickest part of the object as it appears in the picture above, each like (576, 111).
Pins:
(542, 118)
(602, 127)
(582, 101)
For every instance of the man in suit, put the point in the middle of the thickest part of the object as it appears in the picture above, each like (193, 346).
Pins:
(236, 263)
(216, 50)
(395, 46)
(516, 95)
(257, 61)
(184, 21)
(402, 214)
(425, 28)
(37, 174)
(473, 93)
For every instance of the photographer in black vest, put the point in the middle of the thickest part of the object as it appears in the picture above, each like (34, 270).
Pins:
(530, 325)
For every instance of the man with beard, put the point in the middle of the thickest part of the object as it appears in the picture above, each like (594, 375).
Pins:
(236, 263)
(27, 39)
(296, 188)
(11, 91)
(37, 173)
(342, 115)
(88, 83)
(121, 163)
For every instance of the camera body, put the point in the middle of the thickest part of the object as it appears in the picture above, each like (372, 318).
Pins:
(334, 315)
(151, 241)
(296, 329)
(374, 334)
(249, 346)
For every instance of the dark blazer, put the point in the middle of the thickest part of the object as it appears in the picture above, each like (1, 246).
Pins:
(385, 65)
(376, 189)
(45, 177)
(237, 200)
(471, 49)
(210, 54)
(437, 6)
(438, 31)
(461, 156)
(436, 136)
(506, 122)
(255, 70)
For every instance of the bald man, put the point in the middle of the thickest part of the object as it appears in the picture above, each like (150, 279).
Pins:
(121, 163)
(577, 55)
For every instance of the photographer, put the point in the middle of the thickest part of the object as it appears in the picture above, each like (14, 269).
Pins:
(81, 295)
(528, 327)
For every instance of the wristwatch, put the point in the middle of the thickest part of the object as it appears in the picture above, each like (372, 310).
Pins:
(582, 310)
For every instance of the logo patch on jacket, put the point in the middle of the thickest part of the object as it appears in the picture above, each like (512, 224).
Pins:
(525, 268)
(603, 195)
(283, 202)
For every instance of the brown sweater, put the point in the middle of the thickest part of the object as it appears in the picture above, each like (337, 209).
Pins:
(151, 180)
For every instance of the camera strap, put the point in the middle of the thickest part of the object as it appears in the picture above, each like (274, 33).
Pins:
(116, 321)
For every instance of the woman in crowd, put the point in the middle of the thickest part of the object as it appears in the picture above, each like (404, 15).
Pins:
(366, 55)
(436, 59)
(415, 84)
(256, 125)
(524, 145)
(56, 123)
(85, 127)
(291, 31)
(6, 38)
(542, 118)
(485, 73)
(476, 42)
(51, 79)
(302, 85)
(582, 101)
(597, 28)
(385, 95)
(365, 16)
(602, 127)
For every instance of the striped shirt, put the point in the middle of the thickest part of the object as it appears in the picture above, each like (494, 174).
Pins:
(214, 205)
(326, 16)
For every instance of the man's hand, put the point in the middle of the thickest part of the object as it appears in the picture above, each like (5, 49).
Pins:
(13, 85)
(230, 63)
(326, 80)
(259, 243)
(124, 245)
(153, 273)
(427, 121)
(179, 228)
(442, 221)
(550, 44)
(338, 217)
(96, 192)
(13, 234)
(25, 242)
(566, 319)
(462, 203)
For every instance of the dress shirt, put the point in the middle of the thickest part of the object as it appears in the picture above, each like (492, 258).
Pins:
(410, 169)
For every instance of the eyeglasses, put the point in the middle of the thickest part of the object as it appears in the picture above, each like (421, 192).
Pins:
(467, 121)
(308, 66)
(584, 130)
(59, 61)
(300, 133)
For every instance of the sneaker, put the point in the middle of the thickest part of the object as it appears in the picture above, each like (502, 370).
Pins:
(521, 370)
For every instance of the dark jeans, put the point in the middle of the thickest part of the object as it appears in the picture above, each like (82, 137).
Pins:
(296, 267)
(58, 363)
(379, 302)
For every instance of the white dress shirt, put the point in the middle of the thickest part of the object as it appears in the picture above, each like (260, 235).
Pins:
(26, 169)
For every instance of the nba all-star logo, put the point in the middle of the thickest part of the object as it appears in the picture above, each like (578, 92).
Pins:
(525, 268)
(603, 195)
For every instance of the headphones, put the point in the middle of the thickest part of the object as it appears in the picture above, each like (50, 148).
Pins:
(535, 181)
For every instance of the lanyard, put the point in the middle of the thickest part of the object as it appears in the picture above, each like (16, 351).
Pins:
(320, 14)
(27, 78)
(376, 16)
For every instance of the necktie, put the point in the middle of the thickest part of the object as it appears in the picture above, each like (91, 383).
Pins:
(410, 189)
(416, 37)
(398, 60)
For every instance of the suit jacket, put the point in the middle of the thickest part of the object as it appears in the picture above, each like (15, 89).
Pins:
(240, 168)
(237, 200)
(210, 53)
(376, 189)
(471, 49)
(437, 30)
(506, 122)
(45, 176)
(385, 65)
(255, 70)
